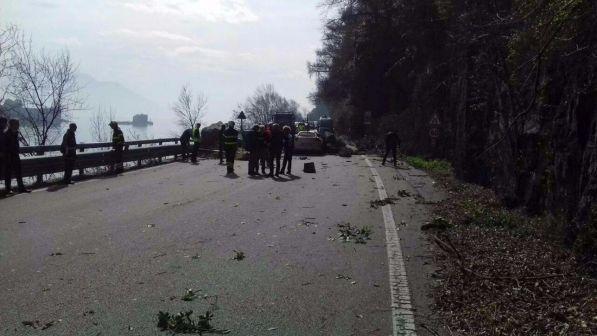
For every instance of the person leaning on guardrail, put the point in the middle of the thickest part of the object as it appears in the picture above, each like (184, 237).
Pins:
(13, 160)
(3, 123)
(185, 140)
(68, 148)
(118, 148)
(196, 136)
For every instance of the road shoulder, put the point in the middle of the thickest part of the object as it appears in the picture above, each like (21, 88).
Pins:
(411, 194)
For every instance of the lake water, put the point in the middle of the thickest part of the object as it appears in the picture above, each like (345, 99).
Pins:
(160, 129)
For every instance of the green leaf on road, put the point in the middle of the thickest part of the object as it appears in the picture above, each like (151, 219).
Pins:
(238, 255)
(189, 296)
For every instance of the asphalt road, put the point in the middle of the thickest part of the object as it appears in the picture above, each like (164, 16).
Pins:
(104, 256)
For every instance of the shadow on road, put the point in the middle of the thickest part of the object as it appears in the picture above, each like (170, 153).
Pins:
(232, 176)
(289, 178)
(56, 187)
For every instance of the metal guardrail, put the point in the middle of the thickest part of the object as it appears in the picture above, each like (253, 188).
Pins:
(43, 164)
(41, 150)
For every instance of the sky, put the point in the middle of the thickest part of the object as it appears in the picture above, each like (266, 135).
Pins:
(223, 48)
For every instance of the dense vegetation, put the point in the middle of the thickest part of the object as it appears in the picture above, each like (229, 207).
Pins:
(513, 83)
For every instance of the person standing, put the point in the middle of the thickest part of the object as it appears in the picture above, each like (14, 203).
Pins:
(260, 145)
(68, 148)
(230, 146)
(196, 136)
(275, 150)
(117, 149)
(392, 142)
(3, 123)
(288, 148)
(221, 143)
(13, 159)
(185, 140)
(267, 140)
(250, 138)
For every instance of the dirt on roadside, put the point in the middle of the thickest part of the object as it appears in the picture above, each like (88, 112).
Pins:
(503, 273)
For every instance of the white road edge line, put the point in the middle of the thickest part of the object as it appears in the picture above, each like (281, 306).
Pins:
(403, 317)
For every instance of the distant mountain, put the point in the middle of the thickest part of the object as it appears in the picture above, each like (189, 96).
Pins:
(124, 102)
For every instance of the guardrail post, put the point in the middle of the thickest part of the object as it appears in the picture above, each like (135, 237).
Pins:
(39, 177)
(139, 161)
(81, 171)
(160, 158)
(176, 155)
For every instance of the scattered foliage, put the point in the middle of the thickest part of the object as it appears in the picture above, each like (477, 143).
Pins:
(239, 255)
(501, 273)
(184, 323)
(375, 204)
(349, 233)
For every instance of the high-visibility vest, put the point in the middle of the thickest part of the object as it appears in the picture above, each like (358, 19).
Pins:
(118, 137)
(230, 138)
(196, 135)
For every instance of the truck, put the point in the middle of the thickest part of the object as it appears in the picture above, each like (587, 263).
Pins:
(285, 119)
(325, 129)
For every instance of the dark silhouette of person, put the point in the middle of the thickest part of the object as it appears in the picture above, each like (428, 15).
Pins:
(221, 143)
(117, 149)
(275, 150)
(392, 142)
(250, 140)
(13, 159)
(196, 136)
(3, 160)
(288, 148)
(230, 146)
(68, 148)
(185, 141)
(261, 145)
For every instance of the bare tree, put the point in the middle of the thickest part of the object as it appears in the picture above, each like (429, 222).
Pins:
(46, 85)
(100, 131)
(189, 111)
(8, 39)
(266, 102)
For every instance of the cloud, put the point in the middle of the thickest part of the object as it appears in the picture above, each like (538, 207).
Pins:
(150, 34)
(230, 11)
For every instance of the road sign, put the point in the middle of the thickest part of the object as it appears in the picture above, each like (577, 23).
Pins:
(434, 133)
(435, 120)
(242, 115)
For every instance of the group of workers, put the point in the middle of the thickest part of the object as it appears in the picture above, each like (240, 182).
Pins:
(68, 148)
(264, 143)
(10, 161)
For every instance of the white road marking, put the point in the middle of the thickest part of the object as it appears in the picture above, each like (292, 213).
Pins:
(403, 318)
